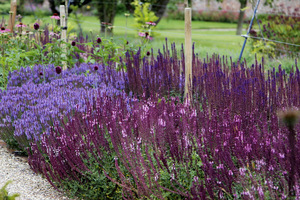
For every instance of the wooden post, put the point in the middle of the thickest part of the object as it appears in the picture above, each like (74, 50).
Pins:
(12, 15)
(188, 53)
(66, 11)
(63, 26)
(186, 3)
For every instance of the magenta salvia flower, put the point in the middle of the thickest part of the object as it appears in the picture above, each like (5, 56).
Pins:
(99, 40)
(58, 69)
(36, 26)
(73, 43)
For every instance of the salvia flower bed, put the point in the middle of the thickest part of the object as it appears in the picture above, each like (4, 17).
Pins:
(130, 134)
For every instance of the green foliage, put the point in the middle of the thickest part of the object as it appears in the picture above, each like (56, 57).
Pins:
(121, 8)
(143, 14)
(107, 51)
(4, 194)
(263, 49)
(94, 184)
(284, 29)
(4, 7)
(183, 179)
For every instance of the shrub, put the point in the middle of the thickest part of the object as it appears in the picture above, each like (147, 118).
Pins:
(202, 15)
(36, 98)
(283, 27)
(227, 144)
(4, 8)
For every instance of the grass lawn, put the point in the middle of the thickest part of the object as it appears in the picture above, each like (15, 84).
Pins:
(209, 37)
(172, 29)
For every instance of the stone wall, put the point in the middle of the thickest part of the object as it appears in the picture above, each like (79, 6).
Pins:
(234, 6)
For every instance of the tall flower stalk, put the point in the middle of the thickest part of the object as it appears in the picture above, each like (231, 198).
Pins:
(290, 117)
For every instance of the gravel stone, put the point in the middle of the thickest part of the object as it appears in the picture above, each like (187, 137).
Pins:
(29, 185)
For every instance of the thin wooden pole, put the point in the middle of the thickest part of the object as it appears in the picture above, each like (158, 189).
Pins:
(188, 53)
(186, 3)
(12, 15)
(63, 26)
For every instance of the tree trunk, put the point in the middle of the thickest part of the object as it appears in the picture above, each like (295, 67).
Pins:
(20, 8)
(241, 17)
(158, 7)
(52, 6)
(54, 3)
(159, 10)
(107, 13)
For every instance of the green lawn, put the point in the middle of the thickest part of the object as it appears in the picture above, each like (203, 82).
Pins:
(209, 37)
(206, 41)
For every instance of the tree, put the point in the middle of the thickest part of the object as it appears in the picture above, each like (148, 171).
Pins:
(55, 3)
(106, 12)
(241, 17)
(158, 7)
(242, 12)
(107, 9)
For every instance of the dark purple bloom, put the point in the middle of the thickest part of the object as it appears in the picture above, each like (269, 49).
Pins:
(41, 73)
(253, 32)
(99, 40)
(96, 67)
(36, 26)
(58, 69)
(73, 43)
(148, 53)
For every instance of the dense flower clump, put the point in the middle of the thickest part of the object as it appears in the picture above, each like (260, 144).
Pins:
(32, 101)
(131, 134)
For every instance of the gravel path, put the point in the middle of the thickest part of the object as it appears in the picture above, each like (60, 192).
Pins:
(25, 182)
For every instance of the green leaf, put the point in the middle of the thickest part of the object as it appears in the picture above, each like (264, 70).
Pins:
(245, 8)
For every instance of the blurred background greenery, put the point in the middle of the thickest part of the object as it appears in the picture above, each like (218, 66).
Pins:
(211, 32)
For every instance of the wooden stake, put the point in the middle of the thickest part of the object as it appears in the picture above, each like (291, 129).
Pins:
(188, 53)
(12, 15)
(63, 26)
(186, 3)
